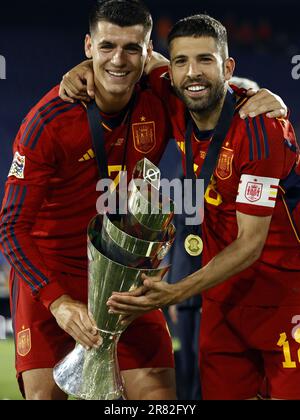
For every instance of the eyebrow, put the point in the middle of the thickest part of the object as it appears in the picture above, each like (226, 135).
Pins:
(129, 45)
(205, 55)
(133, 45)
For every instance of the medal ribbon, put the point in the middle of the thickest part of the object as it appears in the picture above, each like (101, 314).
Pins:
(97, 133)
(213, 153)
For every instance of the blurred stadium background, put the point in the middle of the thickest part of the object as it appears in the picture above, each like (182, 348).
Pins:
(41, 40)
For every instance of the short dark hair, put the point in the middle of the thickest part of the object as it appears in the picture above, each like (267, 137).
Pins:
(122, 13)
(201, 26)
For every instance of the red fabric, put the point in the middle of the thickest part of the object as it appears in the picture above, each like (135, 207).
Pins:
(238, 347)
(274, 278)
(146, 343)
(262, 147)
(44, 217)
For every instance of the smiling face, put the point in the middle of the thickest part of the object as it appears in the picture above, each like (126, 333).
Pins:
(199, 72)
(119, 57)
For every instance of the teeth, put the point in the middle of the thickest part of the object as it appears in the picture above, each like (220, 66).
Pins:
(196, 88)
(117, 74)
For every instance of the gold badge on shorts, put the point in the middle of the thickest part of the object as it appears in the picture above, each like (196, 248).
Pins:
(24, 342)
(193, 245)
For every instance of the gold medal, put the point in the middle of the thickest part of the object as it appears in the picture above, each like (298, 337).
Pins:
(193, 245)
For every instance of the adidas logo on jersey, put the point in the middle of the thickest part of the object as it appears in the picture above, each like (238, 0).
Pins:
(88, 156)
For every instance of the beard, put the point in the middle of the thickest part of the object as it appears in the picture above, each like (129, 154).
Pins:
(205, 104)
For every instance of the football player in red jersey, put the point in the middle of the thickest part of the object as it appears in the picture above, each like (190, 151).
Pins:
(51, 197)
(251, 230)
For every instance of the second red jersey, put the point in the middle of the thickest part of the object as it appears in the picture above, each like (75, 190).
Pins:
(257, 160)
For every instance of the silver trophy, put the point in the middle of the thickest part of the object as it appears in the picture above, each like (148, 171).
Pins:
(120, 250)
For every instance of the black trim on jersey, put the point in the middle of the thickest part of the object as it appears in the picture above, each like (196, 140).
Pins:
(258, 138)
(250, 138)
(265, 137)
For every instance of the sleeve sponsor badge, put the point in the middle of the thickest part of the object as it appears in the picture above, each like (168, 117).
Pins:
(18, 166)
(258, 191)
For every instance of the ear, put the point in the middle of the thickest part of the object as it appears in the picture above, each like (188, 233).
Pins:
(171, 75)
(149, 52)
(88, 46)
(150, 48)
(229, 67)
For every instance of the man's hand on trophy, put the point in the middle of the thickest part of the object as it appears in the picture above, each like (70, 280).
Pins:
(78, 83)
(157, 293)
(73, 317)
(126, 320)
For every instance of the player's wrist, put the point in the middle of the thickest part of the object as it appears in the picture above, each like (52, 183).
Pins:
(58, 302)
(51, 292)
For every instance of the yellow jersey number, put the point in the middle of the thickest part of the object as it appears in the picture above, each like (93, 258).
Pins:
(283, 342)
(212, 196)
(115, 169)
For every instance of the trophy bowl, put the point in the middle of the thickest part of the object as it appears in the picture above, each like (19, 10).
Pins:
(129, 250)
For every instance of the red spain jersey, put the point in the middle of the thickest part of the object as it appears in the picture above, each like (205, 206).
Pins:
(51, 189)
(256, 174)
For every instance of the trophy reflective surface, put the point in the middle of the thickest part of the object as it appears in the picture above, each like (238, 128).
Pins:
(120, 250)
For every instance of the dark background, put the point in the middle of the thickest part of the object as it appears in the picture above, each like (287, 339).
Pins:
(41, 40)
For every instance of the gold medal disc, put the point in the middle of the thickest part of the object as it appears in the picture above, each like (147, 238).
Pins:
(193, 245)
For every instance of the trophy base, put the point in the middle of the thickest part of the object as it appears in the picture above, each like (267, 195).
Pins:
(98, 366)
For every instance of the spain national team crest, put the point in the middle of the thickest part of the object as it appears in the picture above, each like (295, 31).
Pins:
(24, 342)
(224, 168)
(253, 191)
(144, 136)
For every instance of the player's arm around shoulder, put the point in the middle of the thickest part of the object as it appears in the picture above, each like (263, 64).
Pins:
(283, 146)
(78, 84)
(262, 102)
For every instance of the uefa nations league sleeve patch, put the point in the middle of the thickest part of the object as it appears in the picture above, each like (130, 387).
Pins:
(18, 166)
